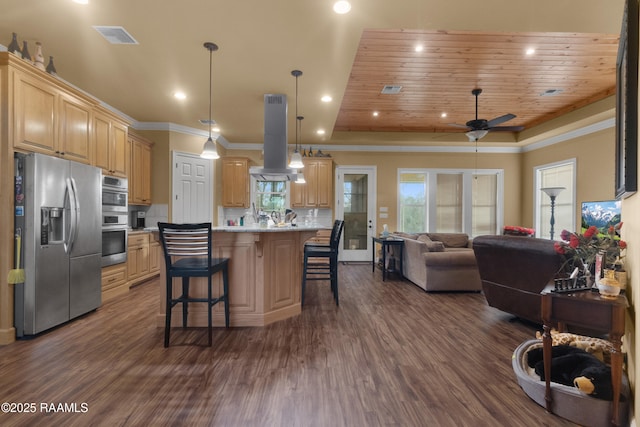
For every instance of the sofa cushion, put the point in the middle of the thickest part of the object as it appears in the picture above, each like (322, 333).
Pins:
(451, 240)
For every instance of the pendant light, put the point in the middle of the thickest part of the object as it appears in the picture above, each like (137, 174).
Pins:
(296, 158)
(299, 175)
(209, 151)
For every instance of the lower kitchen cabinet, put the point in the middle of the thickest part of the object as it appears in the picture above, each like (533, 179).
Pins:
(114, 281)
(142, 258)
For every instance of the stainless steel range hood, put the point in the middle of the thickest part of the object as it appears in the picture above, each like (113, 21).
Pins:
(275, 142)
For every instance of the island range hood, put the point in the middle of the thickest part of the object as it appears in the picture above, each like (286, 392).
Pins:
(275, 142)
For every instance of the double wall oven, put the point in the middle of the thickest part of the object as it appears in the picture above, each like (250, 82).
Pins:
(114, 220)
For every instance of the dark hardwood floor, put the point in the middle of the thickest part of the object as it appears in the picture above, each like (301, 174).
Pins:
(390, 355)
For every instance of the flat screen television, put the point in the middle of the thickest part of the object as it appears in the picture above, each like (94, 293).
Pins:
(602, 214)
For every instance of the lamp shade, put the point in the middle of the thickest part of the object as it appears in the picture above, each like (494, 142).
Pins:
(552, 191)
(296, 161)
(209, 151)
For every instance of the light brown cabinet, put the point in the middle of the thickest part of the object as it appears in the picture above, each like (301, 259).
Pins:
(139, 170)
(51, 121)
(110, 144)
(317, 192)
(143, 258)
(114, 281)
(155, 255)
(137, 256)
(235, 179)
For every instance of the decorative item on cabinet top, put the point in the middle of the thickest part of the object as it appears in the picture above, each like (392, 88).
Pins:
(318, 153)
(38, 57)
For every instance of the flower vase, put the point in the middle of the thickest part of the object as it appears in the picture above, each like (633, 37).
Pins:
(25, 53)
(39, 59)
(621, 277)
(14, 47)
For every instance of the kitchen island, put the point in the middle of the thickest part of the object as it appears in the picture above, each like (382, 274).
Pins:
(265, 274)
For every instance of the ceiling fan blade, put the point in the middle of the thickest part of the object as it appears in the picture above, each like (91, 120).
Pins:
(506, 129)
(456, 125)
(501, 119)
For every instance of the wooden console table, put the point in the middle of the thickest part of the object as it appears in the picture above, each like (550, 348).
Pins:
(585, 309)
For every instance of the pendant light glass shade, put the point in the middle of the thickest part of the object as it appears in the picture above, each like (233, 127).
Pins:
(210, 151)
(296, 160)
(300, 177)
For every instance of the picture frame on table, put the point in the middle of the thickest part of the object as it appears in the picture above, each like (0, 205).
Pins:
(627, 104)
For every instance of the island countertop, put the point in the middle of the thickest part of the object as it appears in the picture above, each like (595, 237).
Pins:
(265, 275)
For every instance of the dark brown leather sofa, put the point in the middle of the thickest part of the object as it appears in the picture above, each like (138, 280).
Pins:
(514, 270)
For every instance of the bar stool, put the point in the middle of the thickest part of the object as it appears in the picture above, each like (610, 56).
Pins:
(321, 261)
(187, 253)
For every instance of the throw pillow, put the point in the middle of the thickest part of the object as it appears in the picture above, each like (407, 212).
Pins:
(424, 238)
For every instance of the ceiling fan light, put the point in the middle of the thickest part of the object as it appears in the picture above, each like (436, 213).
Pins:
(475, 135)
(296, 161)
(209, 151)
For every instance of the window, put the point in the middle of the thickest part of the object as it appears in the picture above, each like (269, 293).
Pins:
(413, 203)
(561, 174)
(450, 201)
(270, 196)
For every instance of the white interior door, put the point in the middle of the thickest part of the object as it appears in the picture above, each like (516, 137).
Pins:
(356, 205)
(192, 192)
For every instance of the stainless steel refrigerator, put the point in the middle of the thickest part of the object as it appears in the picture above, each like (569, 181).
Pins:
(57, 213)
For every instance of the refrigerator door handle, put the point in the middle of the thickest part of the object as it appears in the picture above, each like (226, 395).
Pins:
(73, 205)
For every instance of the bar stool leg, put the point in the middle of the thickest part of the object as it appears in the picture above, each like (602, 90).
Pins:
(167, 317)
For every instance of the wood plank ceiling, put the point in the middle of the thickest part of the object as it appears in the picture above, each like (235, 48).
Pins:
(567, 71)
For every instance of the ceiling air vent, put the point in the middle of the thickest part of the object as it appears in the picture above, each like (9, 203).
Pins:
(115, 35)
(551, 92)
(207, 122)
(391, 89)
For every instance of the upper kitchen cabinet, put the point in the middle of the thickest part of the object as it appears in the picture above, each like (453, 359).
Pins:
(50, 120)
(317, 192)
(110, 144)
(235, 182)
(140, 170)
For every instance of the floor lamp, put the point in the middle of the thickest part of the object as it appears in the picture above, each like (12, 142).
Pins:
(552, 192)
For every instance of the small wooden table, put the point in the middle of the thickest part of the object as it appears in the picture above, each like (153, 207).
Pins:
(585, 309)
(386, 243)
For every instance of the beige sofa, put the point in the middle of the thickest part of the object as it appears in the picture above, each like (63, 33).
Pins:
(440, 261)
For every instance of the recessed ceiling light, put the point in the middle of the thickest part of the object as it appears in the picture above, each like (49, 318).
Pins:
(419, 48)
(180, 95)
(326, 98)
(530, 51)
(81, 1)
(443, 115)
(215, 129)
(376, 114)
(320, 131)
(342, 7)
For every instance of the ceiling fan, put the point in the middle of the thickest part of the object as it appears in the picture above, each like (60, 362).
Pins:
(478, 128)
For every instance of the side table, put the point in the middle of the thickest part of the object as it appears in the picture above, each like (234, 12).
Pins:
(590, 310)
(387, 242)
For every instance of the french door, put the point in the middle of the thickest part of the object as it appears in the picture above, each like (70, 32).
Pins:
(356, 205)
